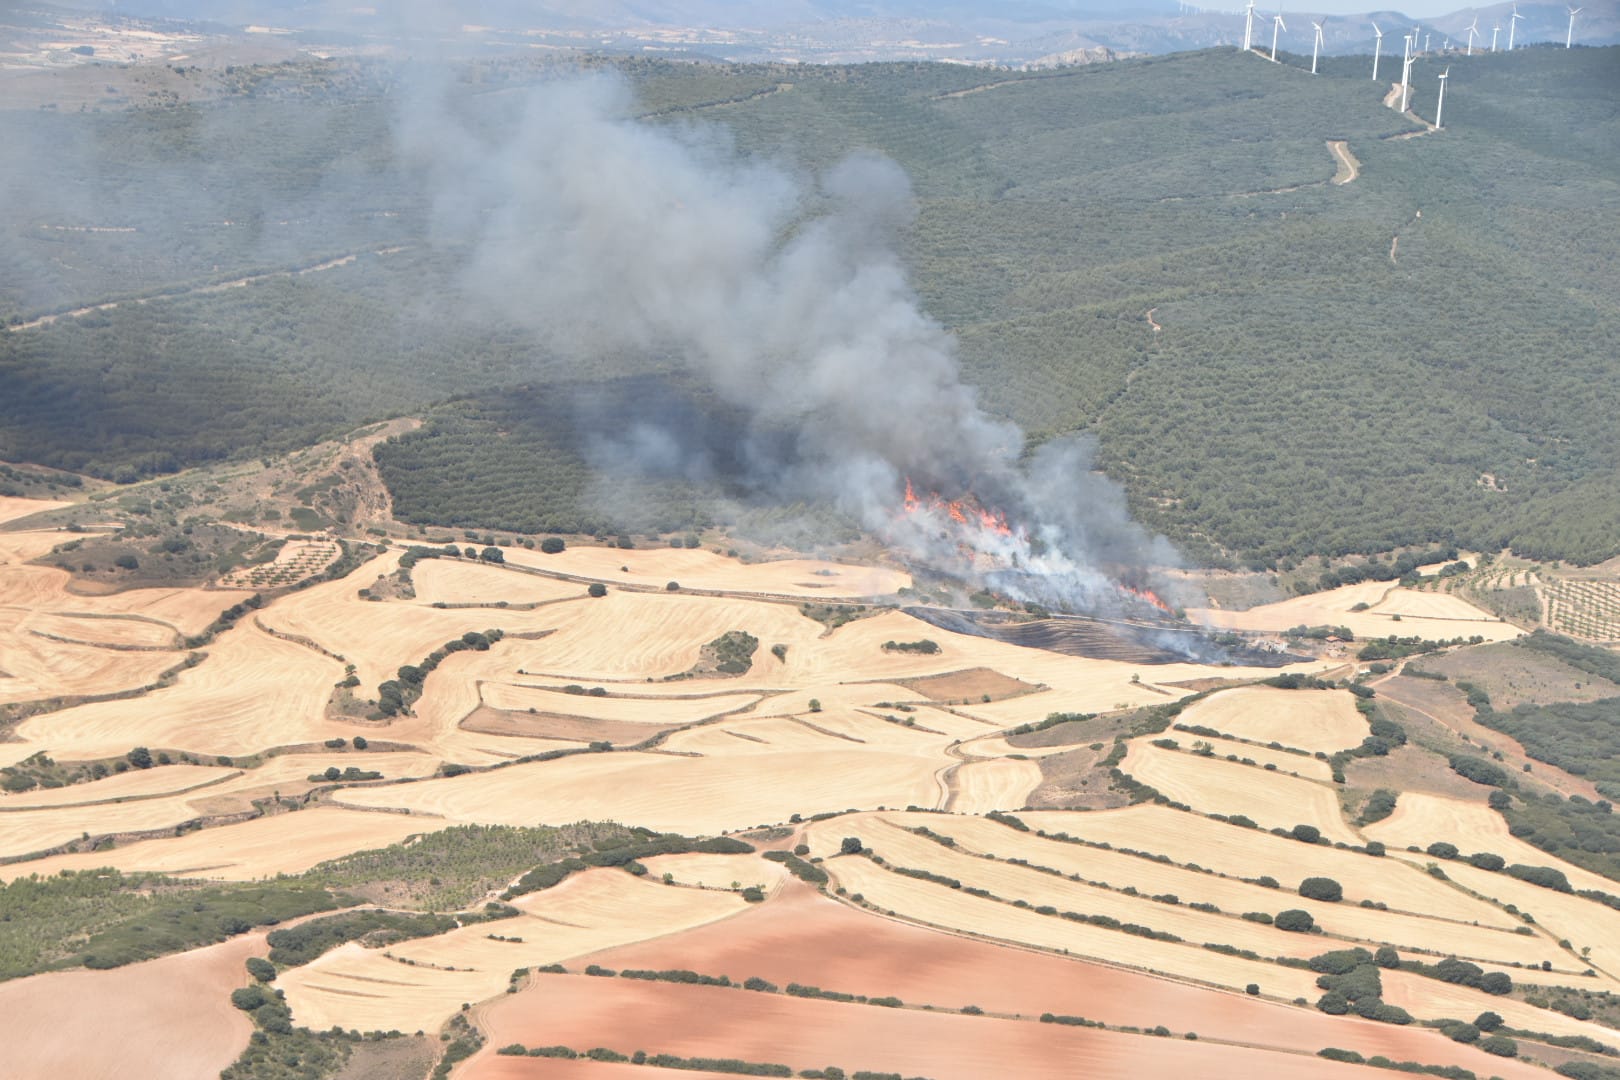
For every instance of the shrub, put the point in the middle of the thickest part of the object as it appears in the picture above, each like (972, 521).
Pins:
(552, 545)
(851, 846)
(597, 589)
(1500, 1045)
(1478, 770)
(1387, 957)
(1253, 989)
(1308, 834)
(1442, 850)
(1485, 860)
(1487, 1021)
(1321, 888)
(1463, 1033)
(261, 969)
(1497, 982)
(1294, 920)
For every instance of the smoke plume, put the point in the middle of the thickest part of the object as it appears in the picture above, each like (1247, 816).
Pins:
(785, 291)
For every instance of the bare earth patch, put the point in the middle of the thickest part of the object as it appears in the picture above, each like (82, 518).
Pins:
(972, 684)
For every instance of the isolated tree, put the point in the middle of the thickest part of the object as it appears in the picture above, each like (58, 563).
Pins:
(492, 554)
(1309, 834)
(261, 969)
(140, 757)
(552, 545)
(851, 846)
(1488, 1021)
(1321, 888)
(597, 589)
(1294, 920)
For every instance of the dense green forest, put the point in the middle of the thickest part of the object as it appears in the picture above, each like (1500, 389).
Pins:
(1316, 387)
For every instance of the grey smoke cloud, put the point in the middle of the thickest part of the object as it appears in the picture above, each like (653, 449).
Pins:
(786, 292)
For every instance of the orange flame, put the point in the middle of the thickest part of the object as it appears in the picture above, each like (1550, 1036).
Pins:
(1147, 596)
(963, 511)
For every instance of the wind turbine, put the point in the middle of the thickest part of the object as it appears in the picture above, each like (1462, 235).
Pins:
(1406, 73)
(1473, 28)
(1415, 30)
(1513, 24)
(1378, 44)
(1248, 27)
(1425, 42)
(1496, 29)
(1316, 46)
(1276, 24)
(1439, 106)
(1569, 37)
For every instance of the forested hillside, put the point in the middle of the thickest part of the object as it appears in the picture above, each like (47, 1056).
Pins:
(1153, 251)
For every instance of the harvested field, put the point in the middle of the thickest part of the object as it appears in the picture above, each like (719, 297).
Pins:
(1431, 998)
(1435, 616)
(244, 851)
(700, 796)
(1295, 764)
(37, 668)
(633, 706)
(1312, 720)
(972, 684)
(252, 692)
(950, 909)
(802, 936)
(695, 568)
(490, 1066)
(24, 832)
(977, 787)
(717, 871)
(1193, 840)
(1150, 878)
(454, 581)
(805, 1033)
(1215, 786)
(1421, 819)
(137, 783)
(115, 631)
(366, 989)
(162, 1019)
(14, 508)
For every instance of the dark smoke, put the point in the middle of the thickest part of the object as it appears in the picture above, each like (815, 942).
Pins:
(786, 293)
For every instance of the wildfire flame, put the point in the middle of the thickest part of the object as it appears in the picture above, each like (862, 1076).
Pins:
(1147, 596)
(963, 511)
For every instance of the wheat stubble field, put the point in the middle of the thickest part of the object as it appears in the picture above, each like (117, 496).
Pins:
(891, 860)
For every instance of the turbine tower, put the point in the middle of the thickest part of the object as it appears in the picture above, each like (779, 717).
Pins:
(1473, 29)
(1496, 29)
(1406, 73)
(1248, 27)
(1513, 24)
(1276, 24)
(1570, 36)
(1316, 45)
(1378, 44)
(1441, 104)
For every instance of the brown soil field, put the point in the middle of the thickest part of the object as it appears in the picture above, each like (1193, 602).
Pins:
(1215, 786)
(163, 1019)
(695, 568)
(1193, 840)
(805, 1033)
(945, 908)
(802, 936)
(1428, 615)
(411, 985)
(13, 507)
(244, 851)
(970, 685)
(576, 729)
(1514, 676)
(1313, 720)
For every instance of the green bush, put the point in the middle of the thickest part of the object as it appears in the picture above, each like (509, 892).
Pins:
(1500, 1045)
(1321, 888)
(1294, 920)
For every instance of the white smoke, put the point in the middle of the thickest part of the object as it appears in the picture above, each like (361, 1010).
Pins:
(786, 293)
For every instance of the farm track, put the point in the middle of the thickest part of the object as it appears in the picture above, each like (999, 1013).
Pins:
(198, 290)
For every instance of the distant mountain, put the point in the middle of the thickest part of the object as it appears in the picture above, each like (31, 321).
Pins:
(1014, 33)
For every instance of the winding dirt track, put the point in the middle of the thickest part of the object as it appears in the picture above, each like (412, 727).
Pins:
(1349, 167)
